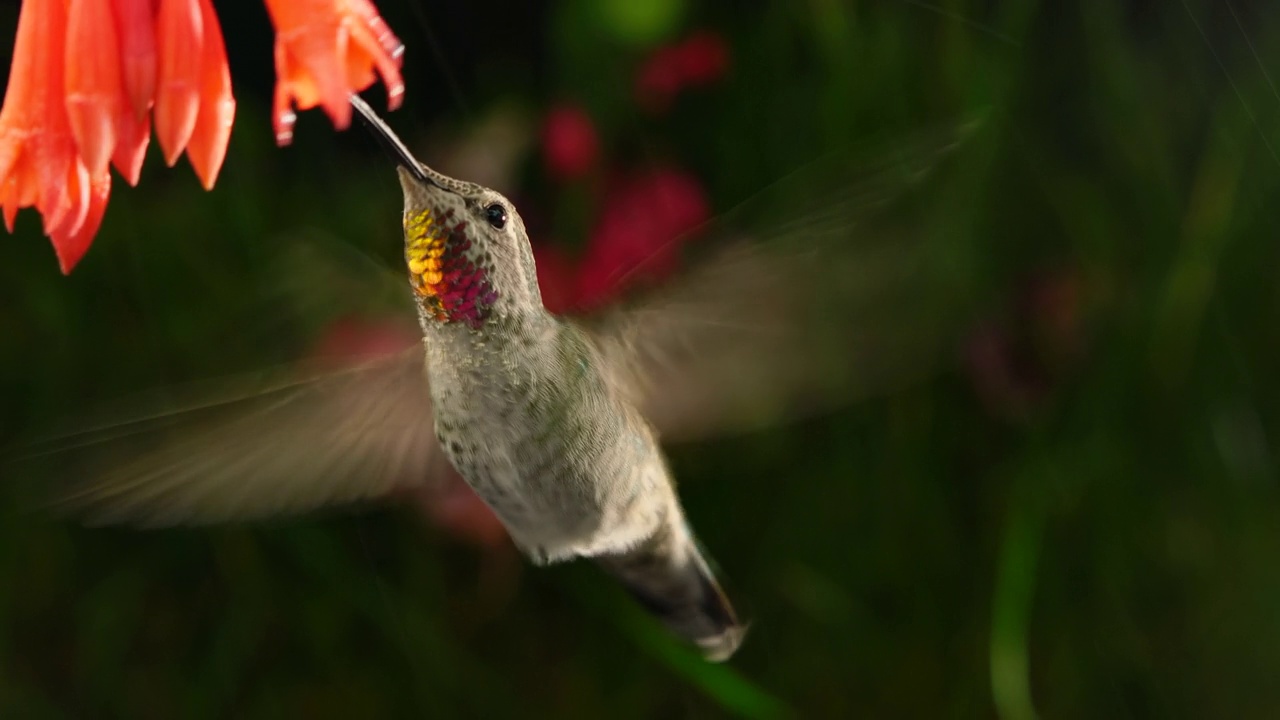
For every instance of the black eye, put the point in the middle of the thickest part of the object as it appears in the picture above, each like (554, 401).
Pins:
(496, 215)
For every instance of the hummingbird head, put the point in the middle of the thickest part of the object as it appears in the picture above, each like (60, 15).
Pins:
(466, 247)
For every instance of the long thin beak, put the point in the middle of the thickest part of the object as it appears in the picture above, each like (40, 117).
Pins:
(390, 141)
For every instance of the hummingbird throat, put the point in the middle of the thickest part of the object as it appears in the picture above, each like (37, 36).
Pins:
(449, 284)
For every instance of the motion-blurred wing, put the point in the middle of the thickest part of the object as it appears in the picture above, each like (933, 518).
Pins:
(829, 288)
(255, 449)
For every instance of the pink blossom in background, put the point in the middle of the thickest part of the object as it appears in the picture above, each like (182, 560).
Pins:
(697, 61)
(557, 278)
(570, 145)
(637, 238)
(704, 58)
(644, 221)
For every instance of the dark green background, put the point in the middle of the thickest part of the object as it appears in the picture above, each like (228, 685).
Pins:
(1097, 536)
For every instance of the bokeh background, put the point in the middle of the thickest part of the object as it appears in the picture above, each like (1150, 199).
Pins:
(1077, 516)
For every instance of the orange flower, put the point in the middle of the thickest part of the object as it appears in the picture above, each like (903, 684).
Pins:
(126, 56)
(39, 161)
(325, 49)
(87, 74)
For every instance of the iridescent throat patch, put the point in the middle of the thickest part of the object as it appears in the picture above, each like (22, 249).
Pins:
(452, 287)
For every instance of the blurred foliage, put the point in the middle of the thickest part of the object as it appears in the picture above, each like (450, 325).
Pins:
(1080, 519)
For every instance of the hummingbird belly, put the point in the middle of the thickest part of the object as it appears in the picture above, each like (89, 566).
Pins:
(568, 467)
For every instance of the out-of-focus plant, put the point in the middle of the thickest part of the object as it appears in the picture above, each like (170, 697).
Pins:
(90, 77)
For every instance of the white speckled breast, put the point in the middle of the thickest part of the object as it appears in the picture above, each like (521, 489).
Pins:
(528, 421)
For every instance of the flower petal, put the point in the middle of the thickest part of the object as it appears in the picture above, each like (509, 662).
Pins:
(310, 34)
(70, 247)
(34, 118)
(39, 162)
(208, 146)
(368, 17)
(131, 146)
(136, 30)
(180, 36)
(327, 49)
(73, 205)
(282, 115)
(375, 46)
(94, 91)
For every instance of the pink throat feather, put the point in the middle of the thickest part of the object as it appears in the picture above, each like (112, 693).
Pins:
(451, 285)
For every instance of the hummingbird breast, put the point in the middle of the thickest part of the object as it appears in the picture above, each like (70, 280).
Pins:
(527, 418)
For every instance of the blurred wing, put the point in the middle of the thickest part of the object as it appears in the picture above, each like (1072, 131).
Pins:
(256, 449)
(829, 288)
(320, 277)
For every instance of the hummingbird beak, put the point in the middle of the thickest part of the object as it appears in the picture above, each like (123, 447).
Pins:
(391, 143)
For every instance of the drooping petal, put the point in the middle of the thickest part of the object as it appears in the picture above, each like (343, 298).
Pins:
(33, 122)
(136, 31)
(180, 39)
(131, 146)
(208, 146)
(95, 92)
(73, 206)
(39, 162)
(327, 49)
(310, 34)
(70, 247)
(282, 115)
(375, 47)
(367, 15)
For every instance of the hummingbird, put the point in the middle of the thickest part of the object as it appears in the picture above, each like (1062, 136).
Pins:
(557, 424)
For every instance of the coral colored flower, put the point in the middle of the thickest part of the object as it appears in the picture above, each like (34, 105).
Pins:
(570, 146)
(699, 60)
(90, 77)
(39, 163)
(325, 49)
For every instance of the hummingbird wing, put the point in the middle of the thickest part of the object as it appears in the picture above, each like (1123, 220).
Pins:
(254, 448)
(826, 288)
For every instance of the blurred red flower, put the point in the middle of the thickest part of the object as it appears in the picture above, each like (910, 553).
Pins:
(89, 77)
(643, 222)
(570, 146)
(698, 60)
(557, 278)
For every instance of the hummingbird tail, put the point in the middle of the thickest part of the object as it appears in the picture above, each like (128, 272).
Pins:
(668, 575)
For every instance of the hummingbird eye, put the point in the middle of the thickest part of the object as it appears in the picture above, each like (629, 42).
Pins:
(496, 215)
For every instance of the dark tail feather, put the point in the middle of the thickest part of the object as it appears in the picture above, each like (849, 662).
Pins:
(669, 577)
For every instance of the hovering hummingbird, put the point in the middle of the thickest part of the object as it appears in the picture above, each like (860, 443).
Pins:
(555, 423)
